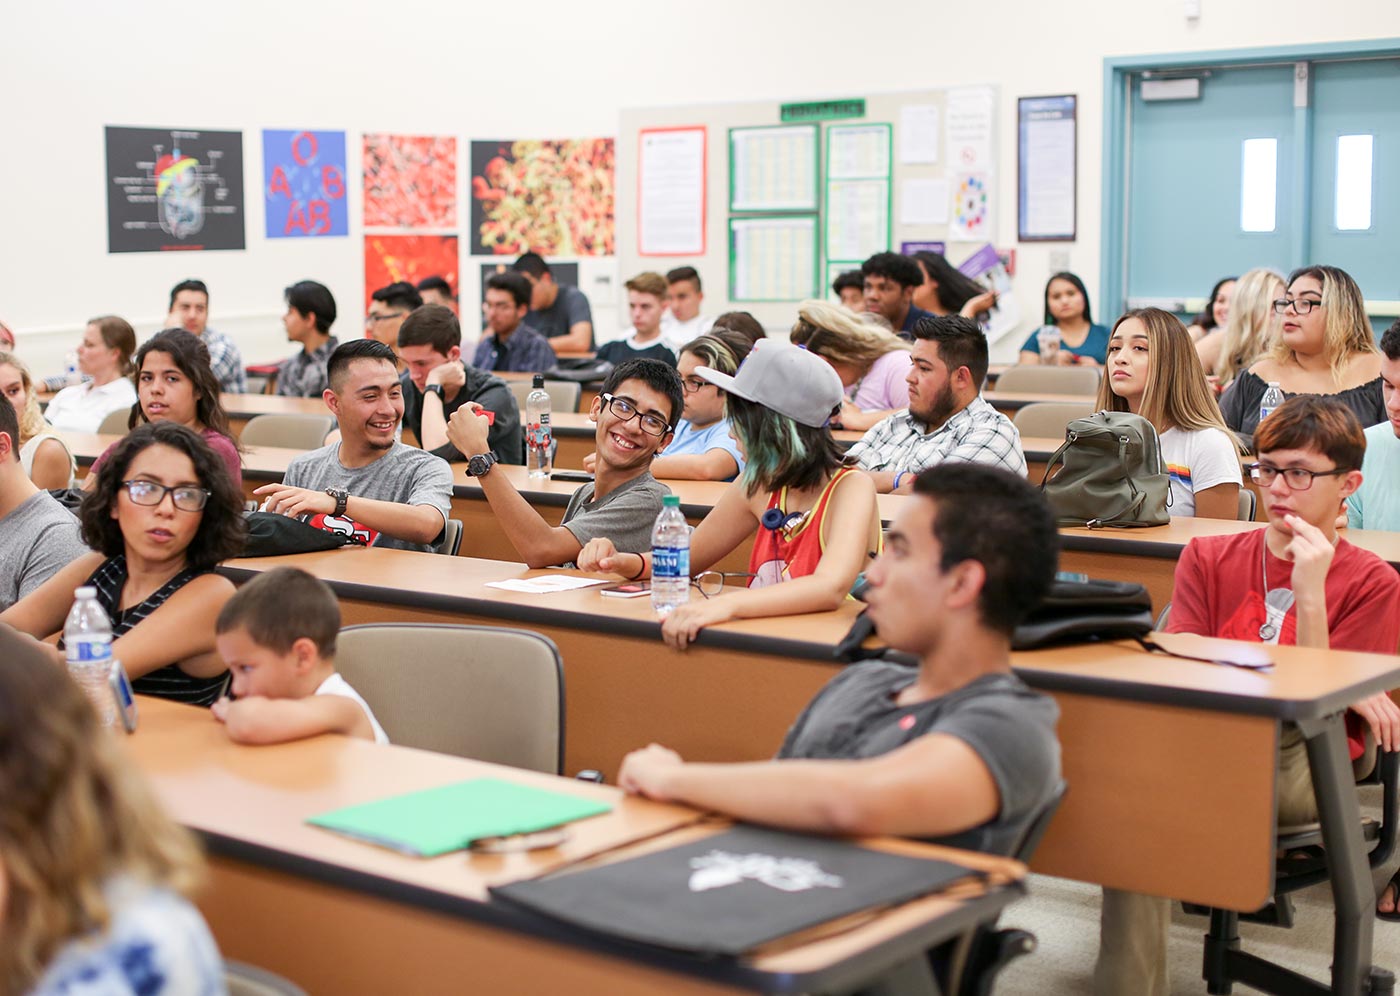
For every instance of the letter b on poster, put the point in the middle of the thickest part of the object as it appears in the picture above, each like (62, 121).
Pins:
(304, 184)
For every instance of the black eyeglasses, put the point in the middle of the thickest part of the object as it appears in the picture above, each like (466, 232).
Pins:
(652, 425)
(711, 583)
(1297, 478)
(693, 384)
(376, 319)
(185, 497)
(1301, 305)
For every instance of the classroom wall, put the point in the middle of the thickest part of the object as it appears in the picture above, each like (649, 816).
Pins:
(552, 69)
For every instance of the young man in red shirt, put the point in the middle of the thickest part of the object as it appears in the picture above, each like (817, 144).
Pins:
(1295, 582)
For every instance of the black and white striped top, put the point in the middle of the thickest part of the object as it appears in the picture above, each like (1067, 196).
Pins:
(168, 682)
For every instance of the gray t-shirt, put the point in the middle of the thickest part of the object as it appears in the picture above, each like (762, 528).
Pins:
(624, 516)
(37, 539)
(404, 474)
(569, 308)
(1009, 726)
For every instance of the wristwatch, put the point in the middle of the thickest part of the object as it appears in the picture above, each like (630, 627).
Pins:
(478, 465)
(436, 389)
(341, 497)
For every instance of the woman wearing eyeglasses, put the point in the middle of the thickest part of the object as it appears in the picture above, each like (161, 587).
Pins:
(174, 383)
(161, 517)
(1325, 347)
(814, 521)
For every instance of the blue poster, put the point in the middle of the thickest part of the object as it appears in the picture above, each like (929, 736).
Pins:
(304, 184)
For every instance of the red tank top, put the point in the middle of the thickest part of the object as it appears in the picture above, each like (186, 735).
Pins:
(792, 552)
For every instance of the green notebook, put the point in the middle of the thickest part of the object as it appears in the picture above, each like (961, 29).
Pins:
(435, 821)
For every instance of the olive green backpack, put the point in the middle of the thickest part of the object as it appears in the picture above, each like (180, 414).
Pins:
(1110, 473)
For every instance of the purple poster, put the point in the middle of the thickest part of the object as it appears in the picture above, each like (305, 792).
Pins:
(304, 184)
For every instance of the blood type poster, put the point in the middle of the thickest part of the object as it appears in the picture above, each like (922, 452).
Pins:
(174, 189)
(304, 184)
(554, 197)
(410, 181)
(391, 258)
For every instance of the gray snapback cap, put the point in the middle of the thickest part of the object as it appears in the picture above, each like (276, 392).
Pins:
(786, 378)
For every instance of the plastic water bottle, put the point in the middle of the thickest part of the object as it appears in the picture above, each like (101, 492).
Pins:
(71, 374)
(1048, 339)
(87, 639)
(1272, 398)
(670, 557)
(539, 437)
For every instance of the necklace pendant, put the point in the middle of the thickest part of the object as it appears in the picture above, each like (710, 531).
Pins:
(1267, 632)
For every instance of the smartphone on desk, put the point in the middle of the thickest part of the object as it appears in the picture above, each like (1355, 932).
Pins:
(123, 695)
(632, 589)
(582, 476)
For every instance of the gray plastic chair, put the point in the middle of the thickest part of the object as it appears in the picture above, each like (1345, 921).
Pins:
(483, 692)
(290, 431)
(1049, 418)
(451, 538)
(115, 423)
(563, 394)
(1049, 380)
(1247, 506)
(249, 980)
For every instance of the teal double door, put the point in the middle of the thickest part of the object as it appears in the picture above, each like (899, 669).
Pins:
(1275, 165)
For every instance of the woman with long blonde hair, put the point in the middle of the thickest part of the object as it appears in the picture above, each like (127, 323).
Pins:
(1151, 370)
(1325, 346)
(43, 454)
(1250, 330)
(92, 874)
(873, 362)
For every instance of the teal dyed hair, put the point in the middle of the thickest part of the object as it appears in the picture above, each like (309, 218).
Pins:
(778, 451)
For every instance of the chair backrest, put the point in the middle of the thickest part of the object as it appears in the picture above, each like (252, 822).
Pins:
(115, 423)
(1049, 418)
(1035, 830)
(563, 394)
(1032, 379)
(290, 431)
(1247, 506)
(451, 538)
(483, 692)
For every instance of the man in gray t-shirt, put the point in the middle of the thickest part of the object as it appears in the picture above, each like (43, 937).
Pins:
(636, 412)
(368, 484)
(957, 750)
(38, 536)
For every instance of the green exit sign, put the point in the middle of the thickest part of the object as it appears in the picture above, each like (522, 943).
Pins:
(825, 110)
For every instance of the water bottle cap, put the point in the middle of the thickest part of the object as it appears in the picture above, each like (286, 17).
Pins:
(86, 591)
(539, 381)
(671, 501)
(1274, 383)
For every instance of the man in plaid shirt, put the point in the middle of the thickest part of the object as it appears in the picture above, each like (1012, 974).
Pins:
(189, 310)
(946, 421)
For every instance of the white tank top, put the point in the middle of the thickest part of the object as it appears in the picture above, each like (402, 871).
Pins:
(27, 451)
(336, 685)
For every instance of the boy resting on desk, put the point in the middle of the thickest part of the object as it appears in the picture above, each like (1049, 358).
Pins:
(636, 413)
(1294, 582)
(959, 749)
(277, 636)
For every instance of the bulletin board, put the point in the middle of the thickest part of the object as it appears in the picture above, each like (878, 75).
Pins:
(847, 177)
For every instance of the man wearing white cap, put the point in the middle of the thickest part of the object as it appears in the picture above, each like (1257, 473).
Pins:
(816, 520)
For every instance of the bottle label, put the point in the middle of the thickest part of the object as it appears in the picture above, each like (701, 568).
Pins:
(1265, 412)
(670, 562)
(88, 650)
(538, 436)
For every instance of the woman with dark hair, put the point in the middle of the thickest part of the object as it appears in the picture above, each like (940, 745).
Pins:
(161, 517)
(93, 876)
(104, 356)
(946, 291)
(743, 323)
(1069, 324)
(1325, 347)
(1216, 312)
(814, 521)
(174, 383)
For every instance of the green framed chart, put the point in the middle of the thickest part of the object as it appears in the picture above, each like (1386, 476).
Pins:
(773, 257)
(774, 168)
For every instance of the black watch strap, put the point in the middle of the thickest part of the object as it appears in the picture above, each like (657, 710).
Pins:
(341, 499)
(436, 389)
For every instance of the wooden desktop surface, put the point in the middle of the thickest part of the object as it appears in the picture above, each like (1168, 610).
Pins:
(294, 899)
(1139, 733)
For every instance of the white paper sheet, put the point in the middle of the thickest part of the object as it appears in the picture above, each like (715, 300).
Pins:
(918, 133)
(671, 195)
(924, 202)
(858, 152)
(547, 583)
(970, 122)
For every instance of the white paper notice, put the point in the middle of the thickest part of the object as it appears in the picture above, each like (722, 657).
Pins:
(773, 259)
(857, 218)
(1049, 178)
(924, 202)
(858, 152)
(970, 113)
(773, 169)
(918, 133)
(547, 583)
(671, 198)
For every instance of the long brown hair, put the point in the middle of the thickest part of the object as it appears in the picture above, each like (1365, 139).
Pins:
(76, 814)
(31, 420)
(192, 357)
(118, 334)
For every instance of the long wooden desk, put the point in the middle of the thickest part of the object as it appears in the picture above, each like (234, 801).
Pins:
(337, 916)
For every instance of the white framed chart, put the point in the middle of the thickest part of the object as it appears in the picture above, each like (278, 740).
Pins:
(671, 191)
(1046, 168)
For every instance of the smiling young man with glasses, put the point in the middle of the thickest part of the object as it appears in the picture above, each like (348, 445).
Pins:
(636, 415)
(1294, 582)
